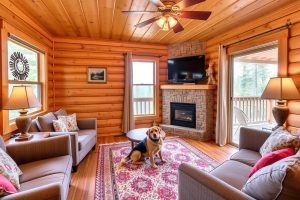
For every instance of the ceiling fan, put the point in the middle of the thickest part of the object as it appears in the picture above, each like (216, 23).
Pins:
(170, 12)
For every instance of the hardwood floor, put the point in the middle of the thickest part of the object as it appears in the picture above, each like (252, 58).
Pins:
(83, 181)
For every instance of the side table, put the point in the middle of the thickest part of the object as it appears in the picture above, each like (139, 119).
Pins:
(36, 136)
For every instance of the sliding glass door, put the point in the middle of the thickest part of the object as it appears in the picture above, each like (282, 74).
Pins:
(251, 71)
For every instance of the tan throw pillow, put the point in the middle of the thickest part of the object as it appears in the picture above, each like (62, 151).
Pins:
(60, 126)
(70, 121)
(280, 181)
(279, 139)
(45, 122)
(60, 112)
(9, 169)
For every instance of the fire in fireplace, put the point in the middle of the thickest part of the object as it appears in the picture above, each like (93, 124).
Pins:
(183, 114)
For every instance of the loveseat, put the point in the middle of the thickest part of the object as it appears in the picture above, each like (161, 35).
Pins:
(227, 180)
(46, 165)
(82, 141)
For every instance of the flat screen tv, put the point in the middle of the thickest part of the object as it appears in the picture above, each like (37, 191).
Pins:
(187, 70)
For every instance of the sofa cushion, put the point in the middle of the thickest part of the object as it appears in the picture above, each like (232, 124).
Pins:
(33, 127)
(60, 112)
(279, 139)
(45, 167)
(70, 122)
(246, 156)
(6, 187)
(280, 181)
(84, 136)
(9, 169)
(232, 172)
(45, 122)
(271, 158)
(42, 181)
(60, 126)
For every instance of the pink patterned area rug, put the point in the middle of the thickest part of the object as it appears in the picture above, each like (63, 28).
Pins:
(132, 182)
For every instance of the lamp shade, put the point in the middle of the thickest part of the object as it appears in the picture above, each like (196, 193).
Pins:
(22, 97)
(280, 88)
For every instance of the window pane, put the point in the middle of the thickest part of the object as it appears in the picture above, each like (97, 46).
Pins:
(143, 72)
(31, 56)
(143, 99)
(37, 91)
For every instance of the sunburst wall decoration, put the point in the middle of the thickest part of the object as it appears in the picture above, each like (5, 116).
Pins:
(19, 66)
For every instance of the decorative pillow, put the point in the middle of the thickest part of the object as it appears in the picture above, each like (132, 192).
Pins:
(279, 181)
(271, 158)
(60, 112)
(6, 187)
(70, 122)
(60, 126)
(9, 169)
(279, 139)
(45, 122)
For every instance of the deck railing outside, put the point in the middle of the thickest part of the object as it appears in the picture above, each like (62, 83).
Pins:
(143, 106)
(256, 109)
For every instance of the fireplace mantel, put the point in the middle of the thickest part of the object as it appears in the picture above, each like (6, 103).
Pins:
(188, 87)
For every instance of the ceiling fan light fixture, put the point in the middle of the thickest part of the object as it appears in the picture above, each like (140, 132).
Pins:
(166, 22)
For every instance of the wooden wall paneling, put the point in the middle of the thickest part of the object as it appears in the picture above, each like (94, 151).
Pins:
(119, 20)
(102, 101)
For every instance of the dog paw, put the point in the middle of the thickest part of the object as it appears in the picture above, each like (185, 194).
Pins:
(154, 166)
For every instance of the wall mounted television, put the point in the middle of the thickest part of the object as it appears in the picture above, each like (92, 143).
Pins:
(187, 70)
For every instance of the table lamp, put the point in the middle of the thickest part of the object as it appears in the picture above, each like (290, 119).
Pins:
(22, 98)
(281, 89)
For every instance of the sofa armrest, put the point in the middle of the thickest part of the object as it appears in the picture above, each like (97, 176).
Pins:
(252, 139)
(30, 151)
(74, 144)
(197, 184)
(87, 123)
(47, 192)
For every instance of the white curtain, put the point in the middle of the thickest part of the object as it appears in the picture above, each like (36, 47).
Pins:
(222, 124)
(128, 115)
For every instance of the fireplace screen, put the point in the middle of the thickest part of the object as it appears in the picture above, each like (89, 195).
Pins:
(183, 114)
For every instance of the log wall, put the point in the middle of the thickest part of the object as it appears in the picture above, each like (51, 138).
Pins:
(72, 57)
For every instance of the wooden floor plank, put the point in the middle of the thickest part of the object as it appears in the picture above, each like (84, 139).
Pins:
(83, 181)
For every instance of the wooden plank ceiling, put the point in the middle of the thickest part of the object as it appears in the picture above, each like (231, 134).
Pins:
(103, 18)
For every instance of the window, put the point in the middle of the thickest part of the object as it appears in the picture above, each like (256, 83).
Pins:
(144, 87)
(28, 62)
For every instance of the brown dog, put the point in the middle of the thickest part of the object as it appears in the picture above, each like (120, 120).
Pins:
(149, 147)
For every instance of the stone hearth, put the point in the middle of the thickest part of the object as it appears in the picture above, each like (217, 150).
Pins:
(203, 98)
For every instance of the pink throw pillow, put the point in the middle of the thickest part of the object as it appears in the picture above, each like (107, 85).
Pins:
(6, 187)
(271, 158)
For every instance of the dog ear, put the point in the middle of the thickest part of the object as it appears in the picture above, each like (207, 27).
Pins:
(148, 131)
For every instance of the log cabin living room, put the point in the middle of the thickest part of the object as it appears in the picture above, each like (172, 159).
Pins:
(150, 99)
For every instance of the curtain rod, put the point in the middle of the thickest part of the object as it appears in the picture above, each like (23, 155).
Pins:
(287, 25)
(19, 40)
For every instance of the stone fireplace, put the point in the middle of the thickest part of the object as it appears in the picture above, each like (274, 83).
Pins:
(187, 110)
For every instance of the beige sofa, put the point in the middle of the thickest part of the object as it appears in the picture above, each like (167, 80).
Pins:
(82, 141)
(46, 165)
(227, 180)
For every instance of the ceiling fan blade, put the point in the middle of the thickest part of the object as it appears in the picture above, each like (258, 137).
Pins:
(187, 3)
(200, 15)
(158, 3)
(138, 12)
(177, 28)
(144, 23)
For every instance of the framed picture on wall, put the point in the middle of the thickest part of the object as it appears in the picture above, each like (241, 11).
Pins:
(96, 74)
